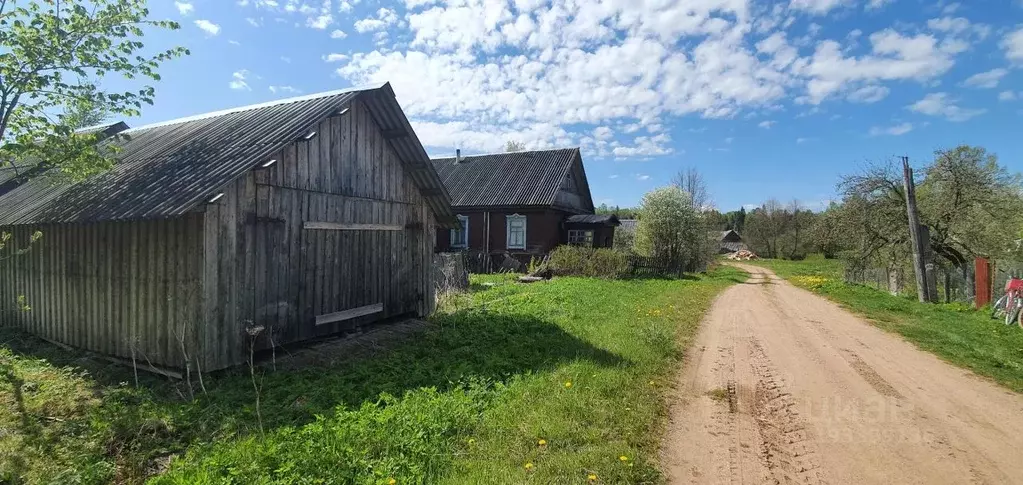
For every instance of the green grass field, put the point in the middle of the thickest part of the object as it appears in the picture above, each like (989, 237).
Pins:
(955, 332)
(554, 382)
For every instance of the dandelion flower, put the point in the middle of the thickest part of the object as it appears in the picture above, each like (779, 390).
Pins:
(592, 477)
(391, 481)
(568, 384)
(542, 442)
(623, 458)
(529, 466)
(472, 441)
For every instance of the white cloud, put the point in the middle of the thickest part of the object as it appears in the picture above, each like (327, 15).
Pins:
(1013, 45)
(335, 58)
(253, 22)
(320, 22)
(234, 42)
(877, 4)
(184, 8)
(987, 79)
(767, 124)
(385, 17)
(896, 130)
(210, 28)
(338, 34)
(642, 177)
(613, 176)
(802, 140)
(239, 82)
(1007, 96)
(868, 94)
(286, 59)
(818, 7)
(550, 72)
(284, 89)
(939, 104)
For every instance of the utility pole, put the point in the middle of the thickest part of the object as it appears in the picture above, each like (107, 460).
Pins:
(919, 250)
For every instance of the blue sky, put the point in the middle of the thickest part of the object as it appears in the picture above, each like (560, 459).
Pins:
(766, 98)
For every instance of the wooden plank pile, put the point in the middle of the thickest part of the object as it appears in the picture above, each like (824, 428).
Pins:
(743, 255)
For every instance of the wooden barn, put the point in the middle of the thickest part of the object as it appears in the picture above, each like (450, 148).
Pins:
(260, 225)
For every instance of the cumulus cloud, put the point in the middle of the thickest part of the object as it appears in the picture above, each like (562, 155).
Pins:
(1013, 45)
(987, 79)
(896, 130)
(320, 22)
(338, 34)
(877, 4)
(384, 18)
(210, 28)
(819, 7)
(767, 124)
(335, 58)
(239, 81)
(1007, 96)
(184, 8)
(940, 104)
(477, 72)
(284, 89)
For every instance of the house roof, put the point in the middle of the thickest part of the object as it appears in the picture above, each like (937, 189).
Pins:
(609, 219)
(530, 178)
(167, 169)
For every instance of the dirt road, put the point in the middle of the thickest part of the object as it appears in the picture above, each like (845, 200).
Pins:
(783, 386)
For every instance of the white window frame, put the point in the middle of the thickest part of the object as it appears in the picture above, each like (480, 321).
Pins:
(580, 237)
(464, 242)
(508, 231)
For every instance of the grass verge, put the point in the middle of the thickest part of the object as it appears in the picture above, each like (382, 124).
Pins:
(955, 332)
(554, 382)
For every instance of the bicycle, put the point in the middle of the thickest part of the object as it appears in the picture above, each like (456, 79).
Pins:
(1010, 305)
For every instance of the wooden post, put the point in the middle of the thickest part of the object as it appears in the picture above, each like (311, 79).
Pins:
(919, 268)
(982, 280)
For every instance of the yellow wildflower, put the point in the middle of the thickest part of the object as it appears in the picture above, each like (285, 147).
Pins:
(529, 466)
(391, 481)
(542, 442)
(623, 458)
(568, 384)
(592, 477)
(472, 441)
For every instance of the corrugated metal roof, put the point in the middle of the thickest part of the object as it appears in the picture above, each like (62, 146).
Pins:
(167, 169)
(609, 219)
(530, 178)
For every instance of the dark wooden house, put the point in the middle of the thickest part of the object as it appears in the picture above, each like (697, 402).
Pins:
(728, 241)
(260, 225)
(521, 204)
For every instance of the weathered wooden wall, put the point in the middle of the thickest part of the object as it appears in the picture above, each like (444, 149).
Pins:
(273, 272)
(102, 286)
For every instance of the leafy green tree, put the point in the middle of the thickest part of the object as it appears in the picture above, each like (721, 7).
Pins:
(514, 146)
(671, 230)
(52, 55)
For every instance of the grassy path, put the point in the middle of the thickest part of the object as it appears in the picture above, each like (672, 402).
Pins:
(555, 382)
(955, 332)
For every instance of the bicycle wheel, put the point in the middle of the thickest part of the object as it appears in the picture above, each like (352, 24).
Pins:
(1012, 314)
(998, 309)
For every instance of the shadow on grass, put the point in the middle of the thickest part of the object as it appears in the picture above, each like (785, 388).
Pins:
(141, 425)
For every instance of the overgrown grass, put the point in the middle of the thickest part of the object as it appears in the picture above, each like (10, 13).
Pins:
(955, 332)
(578, 363)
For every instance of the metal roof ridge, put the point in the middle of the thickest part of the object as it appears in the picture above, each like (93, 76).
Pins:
(509, 153)
(267, 104)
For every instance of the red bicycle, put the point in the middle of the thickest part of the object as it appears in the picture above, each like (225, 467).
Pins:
(1011, 304)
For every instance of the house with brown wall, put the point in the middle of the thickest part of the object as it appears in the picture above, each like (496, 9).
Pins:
(520, 204)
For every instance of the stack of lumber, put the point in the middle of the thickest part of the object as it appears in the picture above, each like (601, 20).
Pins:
(743, 255)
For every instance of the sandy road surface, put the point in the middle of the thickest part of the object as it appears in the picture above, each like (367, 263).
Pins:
(783, 386)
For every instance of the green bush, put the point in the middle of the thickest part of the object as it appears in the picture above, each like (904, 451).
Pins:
(592, 262)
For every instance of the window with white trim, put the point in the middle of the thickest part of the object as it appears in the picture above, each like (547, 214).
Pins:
(580, 237)
(516, 231)
(460, 236)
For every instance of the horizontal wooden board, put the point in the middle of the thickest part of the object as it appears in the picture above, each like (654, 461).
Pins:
(350, 314)
(334, 226)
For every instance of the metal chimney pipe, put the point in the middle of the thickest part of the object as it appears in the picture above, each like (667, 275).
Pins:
(458, 155)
